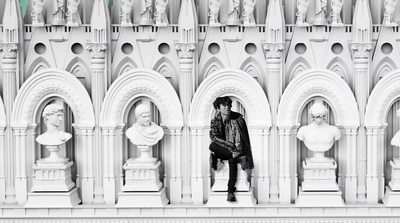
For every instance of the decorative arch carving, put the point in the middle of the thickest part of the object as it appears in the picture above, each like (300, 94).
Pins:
(37, 65)
(212, 65)
(299, 65)
(252, 67)
(323, 83)
(165, 67)
(384, 67)
(141, 83)
(80, 69)
(338, 66)
(52, 83)
(232, 82)
(122, 67)
(385, 93)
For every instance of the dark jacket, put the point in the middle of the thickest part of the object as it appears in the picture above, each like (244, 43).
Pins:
(216, 135)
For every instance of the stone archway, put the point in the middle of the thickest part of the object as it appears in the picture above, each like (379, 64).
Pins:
(242, 86)
(336, 92)
(383, 96)
(52, 83)
(126, 88)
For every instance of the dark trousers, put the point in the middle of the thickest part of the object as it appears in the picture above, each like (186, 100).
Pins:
(224, 154)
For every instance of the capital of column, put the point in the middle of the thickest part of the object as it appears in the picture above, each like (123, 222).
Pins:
(97, 50)
(361, 50)
(185, 50)
(9, 50)
(274, 50)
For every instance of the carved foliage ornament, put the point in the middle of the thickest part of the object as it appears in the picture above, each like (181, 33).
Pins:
(97, 50)
(274, 50)
(361, 50)
(9, 50)
(185, 50)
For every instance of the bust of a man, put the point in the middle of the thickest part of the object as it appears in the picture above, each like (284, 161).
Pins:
(144, 132)
(53, 116)
(318, 136)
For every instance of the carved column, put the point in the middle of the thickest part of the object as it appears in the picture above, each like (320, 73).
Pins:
(87, 181)
(274, 93)
(9, 60)
(262, 156)
(175, 178)
(186, 91)
(109, 176)
(2, 165)
(21, 186)
(285, 187)
(197, 167)
(362, 86)
(372, 167)
(99, 87)
(351, 165)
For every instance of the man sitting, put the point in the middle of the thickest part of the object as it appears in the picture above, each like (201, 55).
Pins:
(230, 141)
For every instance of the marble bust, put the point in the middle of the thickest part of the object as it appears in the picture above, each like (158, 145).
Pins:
(318, 136)
(144, 132)
(53, 117)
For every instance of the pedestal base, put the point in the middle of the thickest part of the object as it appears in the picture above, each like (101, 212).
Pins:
(392, 198)
(51, 176)
(320, 199)
(142, 176)
(222, 177)
(320, 176)
(142, 199)
(243, 199)
(394, 183)
(53, 199)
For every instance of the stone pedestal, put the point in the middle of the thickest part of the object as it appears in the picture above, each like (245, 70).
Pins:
(319, 188)
(52, 173)
(218, 194)
(53, 199)
(142, 199)
(222, 177)
(319, 199)
(243, 199)
(320, 176)
(394, 183)
(142, 176)
(392, 198)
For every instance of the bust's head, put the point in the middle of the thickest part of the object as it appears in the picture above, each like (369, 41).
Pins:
(53, 115)
(142, 114)
(318, 113)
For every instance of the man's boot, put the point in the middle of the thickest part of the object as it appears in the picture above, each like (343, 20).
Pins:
(231, 197)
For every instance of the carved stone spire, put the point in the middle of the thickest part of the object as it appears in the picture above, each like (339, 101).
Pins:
(188, 22)
(362, 22)
(99, 21)
(12, 16)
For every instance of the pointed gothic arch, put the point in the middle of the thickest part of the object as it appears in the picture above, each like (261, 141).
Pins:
(134, 84)
(252, 67)
(122, 66)
(166, 67)
(241, 86)
(212, 65)
(385, 66)
(36, 90)
(80, 70)
(299, 66)
(338, 66)
(337, 93)
(37, 65)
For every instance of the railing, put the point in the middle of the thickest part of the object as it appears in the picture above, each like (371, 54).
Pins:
(203, 28)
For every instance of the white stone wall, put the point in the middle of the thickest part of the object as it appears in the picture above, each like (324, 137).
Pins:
(273, 70)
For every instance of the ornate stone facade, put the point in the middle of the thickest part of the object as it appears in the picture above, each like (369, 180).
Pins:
(106, 63)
